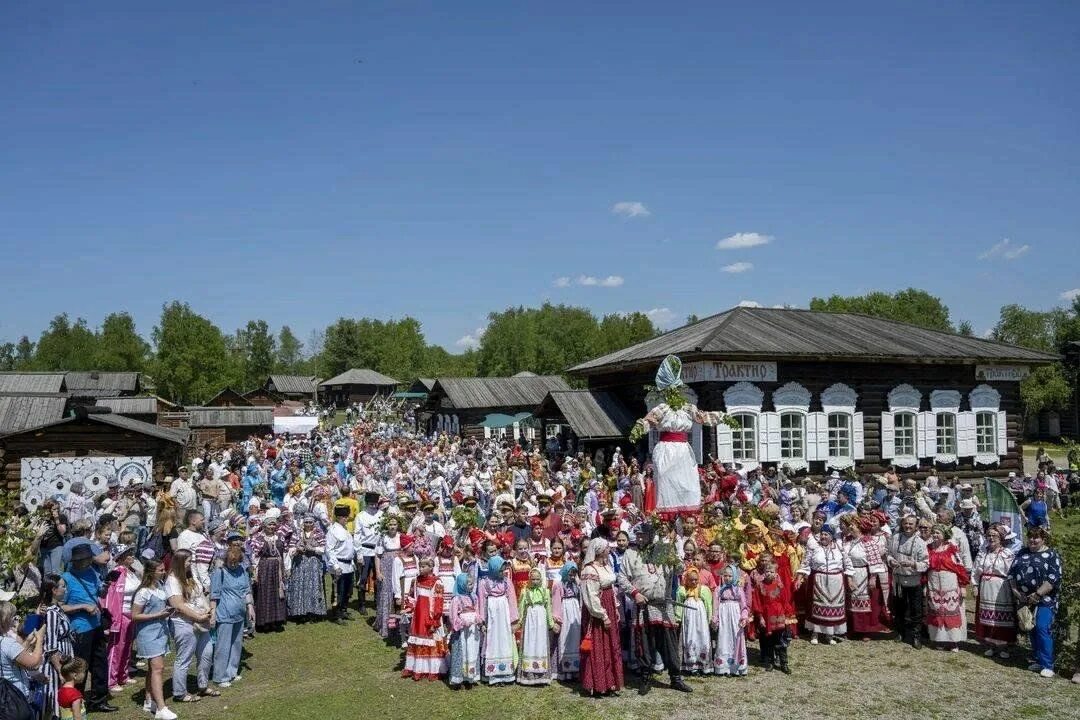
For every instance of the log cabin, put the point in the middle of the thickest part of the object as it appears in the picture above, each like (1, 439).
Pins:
(817, 391)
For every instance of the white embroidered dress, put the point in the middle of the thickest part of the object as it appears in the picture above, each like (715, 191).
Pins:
(678, 487)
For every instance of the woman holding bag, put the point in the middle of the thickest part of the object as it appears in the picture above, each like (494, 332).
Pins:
(601, 667)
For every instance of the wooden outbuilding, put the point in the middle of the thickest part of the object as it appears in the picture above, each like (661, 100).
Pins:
(145, 409)
(85, 434)
(819, 390)
(593, 417)
(356, 385)
(94, 383)
(223, 425)
(228, 398)
(460, 405)
(293, 387)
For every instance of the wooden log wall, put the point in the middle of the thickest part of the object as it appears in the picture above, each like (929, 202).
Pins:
(872, 382)
(83, 439)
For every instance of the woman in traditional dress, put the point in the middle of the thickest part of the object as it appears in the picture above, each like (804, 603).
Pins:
(521, 566)
(995, 608)
(304, 591)
(268, 552)
(693, 613)
(465, 639)
(678, 484)
(387, 551)
(555, 563)
(537, 622)
(945, 582)
(498, 617)
(731, 615)
(566, 609)
(862, 563)
(601, 668)
(447, 568)
(56, 641)
(425, 650)
(824, 565)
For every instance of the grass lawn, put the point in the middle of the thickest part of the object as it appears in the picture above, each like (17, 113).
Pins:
(327, 671)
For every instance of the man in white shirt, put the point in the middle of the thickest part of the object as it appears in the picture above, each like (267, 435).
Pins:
(341, 560)
(183, 490)
(194, 539)
(366, 540)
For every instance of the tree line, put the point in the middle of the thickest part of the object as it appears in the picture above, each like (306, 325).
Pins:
(189, 359)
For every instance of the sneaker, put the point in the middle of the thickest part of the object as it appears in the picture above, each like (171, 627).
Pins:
(164, 714)
(236, 678)
(1076, 679)
(814, 640)
(149, 707)
(1046, 673)
(116, 689)
(1034, 666)
(989, 653)
(224, 684)
(1004, 655)
(954, 649)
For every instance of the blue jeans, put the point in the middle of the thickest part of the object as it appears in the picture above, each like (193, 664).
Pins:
(1042, 642)
(190, 645)
(230, 641)
(52, 561)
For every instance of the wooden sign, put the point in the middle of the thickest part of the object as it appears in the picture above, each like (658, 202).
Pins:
(1001, 373)
(728, 371)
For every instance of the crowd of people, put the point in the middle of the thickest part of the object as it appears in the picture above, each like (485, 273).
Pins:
(492, 561)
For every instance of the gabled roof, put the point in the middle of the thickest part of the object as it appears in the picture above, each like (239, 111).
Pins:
(104, 384)
(496, 392)
(592, 414)
(422, 385)
(230, 395)
(808, 334)
(293, 384)
(360, 377)
(173, 435)
(230, 416)
(32, 382)
(18, 412)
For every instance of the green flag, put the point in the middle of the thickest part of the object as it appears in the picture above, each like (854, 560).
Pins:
(1002, 507)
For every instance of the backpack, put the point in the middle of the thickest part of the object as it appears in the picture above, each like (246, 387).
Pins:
(155, 541)
(13, 704)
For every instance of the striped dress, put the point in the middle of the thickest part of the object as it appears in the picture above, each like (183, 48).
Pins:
(57, 643)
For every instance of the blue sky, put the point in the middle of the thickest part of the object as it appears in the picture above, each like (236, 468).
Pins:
(301, 161)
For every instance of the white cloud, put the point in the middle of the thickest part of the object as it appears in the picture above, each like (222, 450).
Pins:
(739, 241)
(738, 267)
(662, 317)
(561, 282)
(1017, 252)
(1005, 250)
(749, 303)
(1070, 295)
(472, 340)
(630, 209)
(592, 281)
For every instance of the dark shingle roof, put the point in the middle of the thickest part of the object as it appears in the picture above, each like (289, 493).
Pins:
(19, 412)
(173, 435)
(31, 382)
(105, 384)
(294, 384)
(360, 377)
(792, 333)
(592, 414)
(494, 392)
(230, 416)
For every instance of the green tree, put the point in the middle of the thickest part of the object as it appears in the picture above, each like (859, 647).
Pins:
(192, 361)
(965, 329)
(1048, 387)
(119, 345)
(255, 351)
(7, 356)
(65, 346)
(24, 354)
(618, 331)
(692, 318)
(917, 307)
(290, 352)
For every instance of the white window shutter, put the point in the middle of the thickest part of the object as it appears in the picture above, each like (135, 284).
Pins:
(487, 433)
(817, 436)
(926, 434)
(888, 436)
(965, 434)
(696, 443)
(811, 437)
(725, 450)
(772, 424)
(858, 441)
(1002, 434)
(763, 437)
